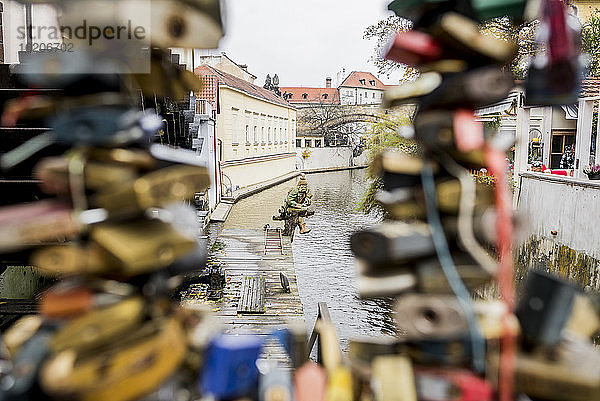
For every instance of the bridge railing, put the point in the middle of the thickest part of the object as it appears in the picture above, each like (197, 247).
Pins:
(325, 334)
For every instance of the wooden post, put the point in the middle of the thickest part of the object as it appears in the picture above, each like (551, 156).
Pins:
(583, 139)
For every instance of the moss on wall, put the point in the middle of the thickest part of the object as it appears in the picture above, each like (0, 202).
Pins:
(552, 256)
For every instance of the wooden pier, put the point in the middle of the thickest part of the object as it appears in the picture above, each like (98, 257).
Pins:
(243, 255)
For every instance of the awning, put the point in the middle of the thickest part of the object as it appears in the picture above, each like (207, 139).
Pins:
(571, 111)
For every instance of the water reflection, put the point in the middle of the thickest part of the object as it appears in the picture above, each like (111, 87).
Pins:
(324, 264)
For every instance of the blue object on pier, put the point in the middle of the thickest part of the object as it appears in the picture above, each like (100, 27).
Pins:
(230, 370)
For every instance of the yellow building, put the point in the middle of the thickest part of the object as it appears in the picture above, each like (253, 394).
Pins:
(256, 129)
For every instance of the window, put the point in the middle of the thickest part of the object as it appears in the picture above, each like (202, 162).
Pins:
(373, 95)
(262, 135)
(325, 95)
(234, 127)
(285, 133)
(366, 95)
(298, 143)
(280, 137)
(307, 143)
(255, 135)
(362, 81)
(269, 138)
(372, 82)
(247, 134)
(562, 142)
(317, 143)
(304, 95)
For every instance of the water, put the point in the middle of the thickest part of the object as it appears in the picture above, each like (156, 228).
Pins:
(324, 263)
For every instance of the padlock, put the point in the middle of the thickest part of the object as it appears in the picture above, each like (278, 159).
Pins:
(230, 367)
(368, 348)
(165, 78)
(451, 351)
(339, 385)
(464, 40)
(59, 303)
(275, 383)
(21, 383)
(413, 48)
(449, 129)
(430, 316)
(432, 280)
(555, 77)
(107, 126)
(401, 204)
(99, 326)
(469, 90)
(440, 384)
(389, 284)
(394, 242)
(127, 157)
(74, 258)
(412, 92)
(53, 173)
(186, 23)
(123, 370)
(155, 189)
(20, 332)
(569, 371)
(393, 379)
(585, 316)
(26, 225)
(544, 307)
(142, 246)
(310, 383)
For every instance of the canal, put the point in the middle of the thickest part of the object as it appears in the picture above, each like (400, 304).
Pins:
(325, 267)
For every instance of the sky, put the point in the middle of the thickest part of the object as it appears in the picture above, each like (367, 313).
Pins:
(302, 41)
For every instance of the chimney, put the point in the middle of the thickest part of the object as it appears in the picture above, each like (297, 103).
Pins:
(328, 82)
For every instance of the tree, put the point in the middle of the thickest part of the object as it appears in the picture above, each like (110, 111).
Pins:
(383, 32)
(523, 35)
(330, 120)
(590, 42)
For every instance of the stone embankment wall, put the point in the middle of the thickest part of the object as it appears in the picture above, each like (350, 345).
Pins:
(562, 227)
(329, 158)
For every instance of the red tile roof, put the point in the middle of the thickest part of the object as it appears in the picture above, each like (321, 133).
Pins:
(356, 79)
(238, 83)
(313, 95)
(590, 86)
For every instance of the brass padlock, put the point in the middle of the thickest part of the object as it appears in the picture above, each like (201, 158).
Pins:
(393, 379)
(567, 372)
(155, 189)
(121, 371)
(74, 258)
(27, 225)
(142, 246)
(98, 327)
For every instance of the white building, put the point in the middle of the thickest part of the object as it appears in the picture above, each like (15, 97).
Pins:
(361, 88)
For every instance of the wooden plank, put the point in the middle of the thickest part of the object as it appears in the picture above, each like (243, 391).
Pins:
(252, 297)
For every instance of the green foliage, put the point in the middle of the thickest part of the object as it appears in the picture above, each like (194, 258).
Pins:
(590, 42)
(384, 135)
(522, 35)
(494, 124)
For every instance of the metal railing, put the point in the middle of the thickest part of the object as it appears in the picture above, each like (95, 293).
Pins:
(322, 316)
